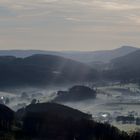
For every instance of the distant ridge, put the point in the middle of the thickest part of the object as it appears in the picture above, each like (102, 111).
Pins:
(86, 57)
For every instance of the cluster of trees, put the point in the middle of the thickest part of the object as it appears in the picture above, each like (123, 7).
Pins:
(76, 93)
(128, 120)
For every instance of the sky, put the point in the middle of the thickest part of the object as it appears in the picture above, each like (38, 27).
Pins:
(85, 25)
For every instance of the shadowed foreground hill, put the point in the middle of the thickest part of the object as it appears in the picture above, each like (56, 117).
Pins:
(43, 70)
(53, 121)
(58, 122)
(6, 118)
(56, 110)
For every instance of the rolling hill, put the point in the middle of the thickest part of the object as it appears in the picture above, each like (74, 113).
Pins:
(43, 70)
(131, 60)
(126, 68)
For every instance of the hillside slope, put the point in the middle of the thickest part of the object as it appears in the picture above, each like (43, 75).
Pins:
(126, 68)
(43, 70)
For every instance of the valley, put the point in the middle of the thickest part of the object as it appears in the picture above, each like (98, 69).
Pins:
(111, 101)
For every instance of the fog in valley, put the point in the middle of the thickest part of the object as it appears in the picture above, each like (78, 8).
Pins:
(112, 100)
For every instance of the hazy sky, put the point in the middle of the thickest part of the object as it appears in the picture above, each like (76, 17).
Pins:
(69, 24)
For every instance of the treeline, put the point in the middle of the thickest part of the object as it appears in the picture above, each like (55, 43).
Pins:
(57, 122)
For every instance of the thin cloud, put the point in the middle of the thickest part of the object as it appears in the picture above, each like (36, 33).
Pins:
(134, 19)
(61, 23)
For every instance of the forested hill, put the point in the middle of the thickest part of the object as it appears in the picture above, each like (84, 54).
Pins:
(43, 70)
